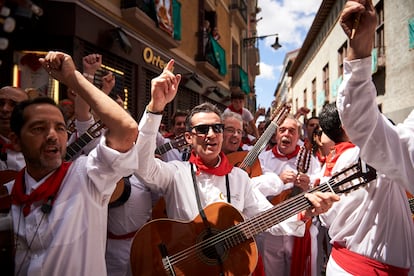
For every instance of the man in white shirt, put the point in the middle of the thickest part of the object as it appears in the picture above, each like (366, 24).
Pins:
(188, 187)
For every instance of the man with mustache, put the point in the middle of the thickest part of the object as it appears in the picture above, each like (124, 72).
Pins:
(281, 159)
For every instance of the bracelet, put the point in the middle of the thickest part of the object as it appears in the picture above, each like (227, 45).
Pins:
(88, 76)
(153, 112)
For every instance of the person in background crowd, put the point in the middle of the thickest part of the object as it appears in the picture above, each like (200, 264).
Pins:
(10, 159)
(282, 160)
(176, 136)
(237, 105)
(59, 209)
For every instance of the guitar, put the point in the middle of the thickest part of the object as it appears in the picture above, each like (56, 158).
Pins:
(411, 203)
(302, 166)
(250, 163)
(75, 147)
(178, 143)
(171, 247)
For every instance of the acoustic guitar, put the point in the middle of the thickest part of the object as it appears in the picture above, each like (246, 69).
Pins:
(172, 247)
(248, 160)
(178, 143)
(76, 147)
(411, 203)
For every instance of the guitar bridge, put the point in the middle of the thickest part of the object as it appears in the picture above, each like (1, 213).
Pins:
(166, 260)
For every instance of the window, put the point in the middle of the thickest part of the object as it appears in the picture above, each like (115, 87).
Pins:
(342, 52)
(325, 76)
(379, 33)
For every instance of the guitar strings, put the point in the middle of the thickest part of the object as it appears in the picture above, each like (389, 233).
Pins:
(243, 231)
(247, 229)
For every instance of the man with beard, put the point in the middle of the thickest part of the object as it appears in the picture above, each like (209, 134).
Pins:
(59, 209)
(281, 159)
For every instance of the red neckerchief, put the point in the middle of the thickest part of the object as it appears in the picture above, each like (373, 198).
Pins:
(4, 146)
(222, 169)
(47, 189)
(231, 107)
(334, 154)
(288, 156)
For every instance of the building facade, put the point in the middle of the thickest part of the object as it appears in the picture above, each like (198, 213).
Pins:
(316, 73)
(136, 40)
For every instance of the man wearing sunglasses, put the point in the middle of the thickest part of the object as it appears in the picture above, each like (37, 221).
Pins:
(208, 177)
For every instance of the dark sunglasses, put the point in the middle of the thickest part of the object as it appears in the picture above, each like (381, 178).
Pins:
(204, 129)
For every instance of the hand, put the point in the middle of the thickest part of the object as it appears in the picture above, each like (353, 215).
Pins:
(91, 63)
(108, 83)
(361, 44)
(288, 177)
(164, 88)
(302, 112)
(322, 202)
(60, 66)
(302, 181)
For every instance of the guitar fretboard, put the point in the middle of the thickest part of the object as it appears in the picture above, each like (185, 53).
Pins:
(164, 148)
(73, 149)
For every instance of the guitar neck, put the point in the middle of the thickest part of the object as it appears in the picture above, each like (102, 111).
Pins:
(259, 146)
(74, 148)
(164, 148)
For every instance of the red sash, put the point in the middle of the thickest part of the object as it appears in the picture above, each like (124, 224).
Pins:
(222, 169)
(334, 154)
(231, 107)
(48, 189)
(357, 264)
(288, 156)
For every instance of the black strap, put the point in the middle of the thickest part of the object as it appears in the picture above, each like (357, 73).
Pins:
(124, 196)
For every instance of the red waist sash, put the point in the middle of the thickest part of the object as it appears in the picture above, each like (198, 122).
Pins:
(357, 264)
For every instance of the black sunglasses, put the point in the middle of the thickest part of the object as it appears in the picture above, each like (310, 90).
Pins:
(204, 129)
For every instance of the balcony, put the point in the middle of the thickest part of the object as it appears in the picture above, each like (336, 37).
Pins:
(213, 60)
(144, 19)
(239, 78)
(238, 13)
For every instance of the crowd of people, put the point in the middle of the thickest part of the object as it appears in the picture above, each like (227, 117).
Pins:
(94, 213)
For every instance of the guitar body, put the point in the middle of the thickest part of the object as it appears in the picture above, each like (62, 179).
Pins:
(181, 241)
(236, 158)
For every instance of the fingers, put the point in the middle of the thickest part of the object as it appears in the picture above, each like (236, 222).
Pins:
(321, 202)
(170, 66)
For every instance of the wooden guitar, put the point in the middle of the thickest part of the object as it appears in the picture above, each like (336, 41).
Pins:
(76, 146)
(411, 202)
(248, 160)
(171, 247)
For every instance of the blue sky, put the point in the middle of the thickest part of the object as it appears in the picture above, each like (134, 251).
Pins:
(291, 19)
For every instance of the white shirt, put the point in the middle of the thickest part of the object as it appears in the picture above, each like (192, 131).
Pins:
(71, 239)
(374, 221)
(390, 148)
(246, 115)
(15, 160)
(174, 180)
(125, 219)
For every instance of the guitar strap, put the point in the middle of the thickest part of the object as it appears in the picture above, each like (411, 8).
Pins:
(200, 208)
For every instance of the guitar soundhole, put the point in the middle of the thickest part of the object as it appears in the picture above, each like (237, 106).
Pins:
(214, 252)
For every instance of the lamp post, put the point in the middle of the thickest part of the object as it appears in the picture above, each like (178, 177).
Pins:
(251, 40)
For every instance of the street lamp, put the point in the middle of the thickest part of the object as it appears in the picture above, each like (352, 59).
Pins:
(250, 40)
